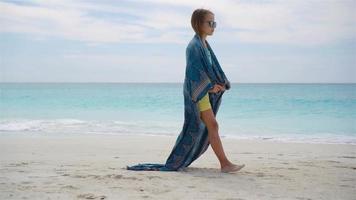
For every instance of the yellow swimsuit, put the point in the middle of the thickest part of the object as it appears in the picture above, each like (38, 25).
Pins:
(204, 103)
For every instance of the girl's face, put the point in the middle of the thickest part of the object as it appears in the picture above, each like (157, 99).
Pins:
(205, 28)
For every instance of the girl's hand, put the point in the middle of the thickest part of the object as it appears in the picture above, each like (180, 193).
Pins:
(217, 88)
(222, 87)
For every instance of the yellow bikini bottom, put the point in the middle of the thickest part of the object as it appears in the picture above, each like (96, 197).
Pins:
(204, 103)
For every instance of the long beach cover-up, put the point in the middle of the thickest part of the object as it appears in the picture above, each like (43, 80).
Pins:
(193, 138)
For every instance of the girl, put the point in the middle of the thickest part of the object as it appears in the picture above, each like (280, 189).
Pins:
(203, 24)
(204, 85)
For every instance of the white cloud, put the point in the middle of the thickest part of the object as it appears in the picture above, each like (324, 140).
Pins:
(295, 22)
(285, 22)
(67, 23)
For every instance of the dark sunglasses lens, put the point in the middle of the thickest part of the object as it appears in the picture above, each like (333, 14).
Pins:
(212, 24)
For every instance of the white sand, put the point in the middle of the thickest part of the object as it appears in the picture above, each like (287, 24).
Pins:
(94, 167)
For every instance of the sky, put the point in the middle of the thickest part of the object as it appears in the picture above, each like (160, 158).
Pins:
(255, 41)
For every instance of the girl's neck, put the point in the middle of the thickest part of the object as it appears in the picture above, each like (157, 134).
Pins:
(203, 38)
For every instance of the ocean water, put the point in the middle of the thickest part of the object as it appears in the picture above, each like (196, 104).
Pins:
(312, 113)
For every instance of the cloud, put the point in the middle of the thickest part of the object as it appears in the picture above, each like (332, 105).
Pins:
(294, 22)
(64, 22)
(158, 21)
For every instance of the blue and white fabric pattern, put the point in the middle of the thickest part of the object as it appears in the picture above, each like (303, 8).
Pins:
(200, 76)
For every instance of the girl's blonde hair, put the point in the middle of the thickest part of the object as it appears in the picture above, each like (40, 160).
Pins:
(198, 18)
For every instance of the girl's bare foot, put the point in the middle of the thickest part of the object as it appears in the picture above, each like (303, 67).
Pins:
(231, 168)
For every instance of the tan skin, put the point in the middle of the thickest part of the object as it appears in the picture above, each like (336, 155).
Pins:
(208, 116)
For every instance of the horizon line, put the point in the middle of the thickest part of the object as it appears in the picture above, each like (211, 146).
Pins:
(183, 82)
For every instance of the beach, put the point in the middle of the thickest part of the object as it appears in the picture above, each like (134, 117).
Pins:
(91, 89)
(89, 166)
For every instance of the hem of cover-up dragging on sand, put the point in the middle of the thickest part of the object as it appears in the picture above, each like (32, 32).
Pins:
(152, 167)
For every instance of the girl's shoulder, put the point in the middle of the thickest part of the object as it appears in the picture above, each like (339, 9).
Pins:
(192, 47)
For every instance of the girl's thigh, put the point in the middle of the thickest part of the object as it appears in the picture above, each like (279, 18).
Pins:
(208, 118)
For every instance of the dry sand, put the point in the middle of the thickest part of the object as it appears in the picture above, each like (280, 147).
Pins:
(94, 167)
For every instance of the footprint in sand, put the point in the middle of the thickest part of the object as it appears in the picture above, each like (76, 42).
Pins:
(307, 163)
(90, 196)
(79, 176)
(115, 176)
(119, 176)
(17, 164)
(303, 198)
(350, 157)
(260, 174)
(346, 167)
(151, 177)
(71, 187)
(247, 153)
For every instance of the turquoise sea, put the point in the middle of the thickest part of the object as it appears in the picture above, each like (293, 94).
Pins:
(315, 113)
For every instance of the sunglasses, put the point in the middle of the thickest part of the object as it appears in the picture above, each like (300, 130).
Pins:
(212, 24)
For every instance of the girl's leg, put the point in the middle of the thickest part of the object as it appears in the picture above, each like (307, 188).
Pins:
(209, 120)
(213, 131)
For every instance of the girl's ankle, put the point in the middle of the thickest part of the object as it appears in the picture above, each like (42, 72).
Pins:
(225, 163)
